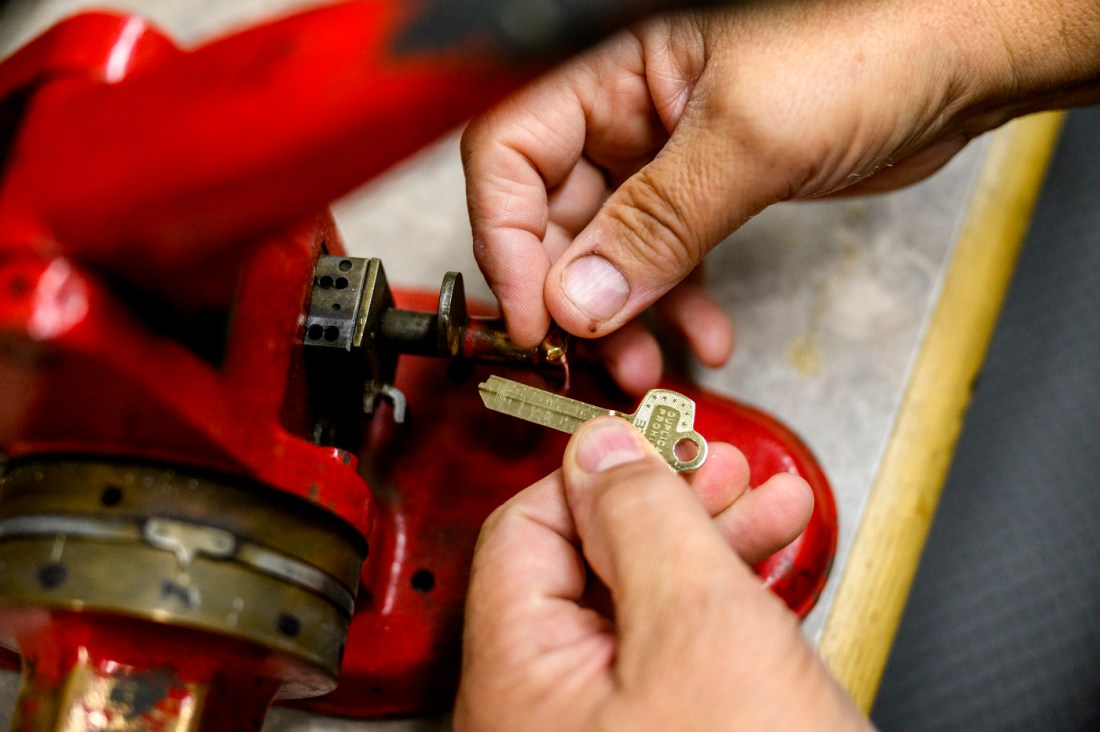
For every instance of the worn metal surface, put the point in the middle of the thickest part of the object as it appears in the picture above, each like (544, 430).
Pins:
(829, 298)
(231, 559)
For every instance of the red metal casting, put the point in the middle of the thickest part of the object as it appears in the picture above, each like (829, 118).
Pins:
(158, 233)
(132, 675)
(83, 374)
(180, 160)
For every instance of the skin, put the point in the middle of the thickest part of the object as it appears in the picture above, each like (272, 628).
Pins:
(613, 594)
(596, 192)
(668, 629)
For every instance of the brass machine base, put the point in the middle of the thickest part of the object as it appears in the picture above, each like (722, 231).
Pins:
(133, 590)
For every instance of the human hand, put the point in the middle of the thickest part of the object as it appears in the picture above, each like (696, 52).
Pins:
(597, 191)
(692, 640)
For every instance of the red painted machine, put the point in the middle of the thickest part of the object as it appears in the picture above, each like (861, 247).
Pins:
(207, 502)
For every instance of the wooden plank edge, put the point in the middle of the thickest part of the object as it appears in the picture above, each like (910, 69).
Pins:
(863, 619)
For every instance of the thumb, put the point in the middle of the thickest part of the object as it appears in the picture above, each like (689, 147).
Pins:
(643, 530)
(654, 230)
(691, 620)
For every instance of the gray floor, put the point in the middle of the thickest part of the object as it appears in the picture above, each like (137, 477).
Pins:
(1002, 631)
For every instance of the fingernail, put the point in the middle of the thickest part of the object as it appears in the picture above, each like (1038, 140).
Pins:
(595, 286)
(608, 443)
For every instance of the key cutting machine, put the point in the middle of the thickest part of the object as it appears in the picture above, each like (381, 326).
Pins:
(205, 424)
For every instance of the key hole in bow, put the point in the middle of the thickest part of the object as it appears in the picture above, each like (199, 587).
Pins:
(685, 450)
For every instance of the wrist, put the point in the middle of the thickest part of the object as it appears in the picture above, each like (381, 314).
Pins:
(1022, 56)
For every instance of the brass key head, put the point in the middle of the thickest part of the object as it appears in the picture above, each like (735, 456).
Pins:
(667, 419)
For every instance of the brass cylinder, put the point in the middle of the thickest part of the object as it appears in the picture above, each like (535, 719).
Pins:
(255, 579)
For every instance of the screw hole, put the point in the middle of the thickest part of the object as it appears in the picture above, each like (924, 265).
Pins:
(423, 581)
(335, 306)
(344, 265)
(111, 496)
(314, 332)
(326, 282)
(288, 624)
(332, 333)
(51, 575)
(341, 283)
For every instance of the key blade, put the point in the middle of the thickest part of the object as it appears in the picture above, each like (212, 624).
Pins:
(535, 405)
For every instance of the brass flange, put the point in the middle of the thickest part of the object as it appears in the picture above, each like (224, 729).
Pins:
(180, 548)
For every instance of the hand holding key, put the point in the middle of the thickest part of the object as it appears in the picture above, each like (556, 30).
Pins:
(685, 637)
(664, 416)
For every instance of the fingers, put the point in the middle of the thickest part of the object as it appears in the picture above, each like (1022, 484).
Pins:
(687, 613)
(632, 354)
(755, 523)
(722, 479)
(526, 638)
(699, 320)
(679, 592)
(574, 202)
(642, 530)
(512, 158)
(527, 547)
(526, 581)
(767, 518)
(525, 559)
(540, 166)
(653, 232)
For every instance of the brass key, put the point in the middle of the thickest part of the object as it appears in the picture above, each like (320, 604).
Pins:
(665, 417)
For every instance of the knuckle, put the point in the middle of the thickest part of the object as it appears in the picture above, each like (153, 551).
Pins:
(495, 519)
(656, 227)
(497, 524)
(484, 255)
(472, 141)
(770, 148)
